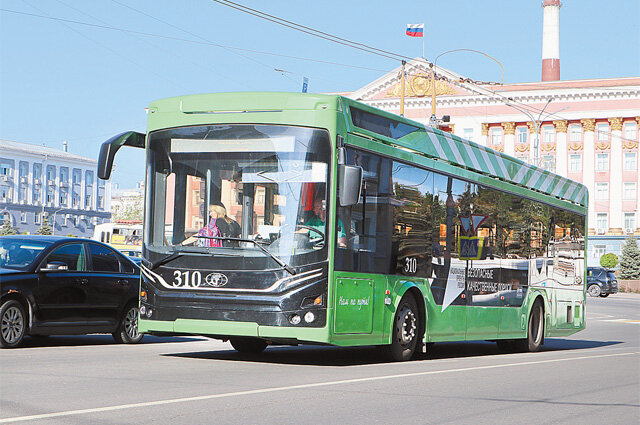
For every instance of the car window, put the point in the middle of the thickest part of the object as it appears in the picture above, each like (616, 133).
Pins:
(72, 255)
(611, 275)
(19, 253)
(104, 259)
(127, 267)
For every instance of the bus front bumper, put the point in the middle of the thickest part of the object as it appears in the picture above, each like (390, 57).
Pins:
(225, 330)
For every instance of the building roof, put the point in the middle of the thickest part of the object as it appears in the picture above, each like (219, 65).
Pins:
(41, 150)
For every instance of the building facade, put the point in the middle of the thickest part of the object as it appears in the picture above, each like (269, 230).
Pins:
(586, 130)
(38, 183)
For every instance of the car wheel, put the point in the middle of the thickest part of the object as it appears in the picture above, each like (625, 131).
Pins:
(248, 345)
(404, 334)
(604, 295)
(127, 332)
(13, 324)
(594, 290)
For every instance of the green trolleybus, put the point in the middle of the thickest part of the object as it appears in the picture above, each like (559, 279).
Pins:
(290, 218)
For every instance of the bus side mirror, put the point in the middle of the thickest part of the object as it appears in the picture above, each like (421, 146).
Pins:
(110, 147)
(350, 184)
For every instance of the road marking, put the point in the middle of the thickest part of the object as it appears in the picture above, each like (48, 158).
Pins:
(292, 387)
(622, 321)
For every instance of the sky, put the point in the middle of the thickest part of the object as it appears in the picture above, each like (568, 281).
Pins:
(82, 71)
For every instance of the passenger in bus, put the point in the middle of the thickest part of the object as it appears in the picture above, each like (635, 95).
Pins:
(228, 227)
(317, 221)
(211, 230)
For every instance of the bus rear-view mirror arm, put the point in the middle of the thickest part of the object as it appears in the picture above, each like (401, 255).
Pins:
(350, 182)
(110, 147)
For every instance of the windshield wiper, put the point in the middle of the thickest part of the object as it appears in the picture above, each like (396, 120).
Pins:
(169, 257)
(256, 243)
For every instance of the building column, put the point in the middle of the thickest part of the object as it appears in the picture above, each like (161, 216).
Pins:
(561, 147)
(485, 134)
(532, 142)
(509, 138)
(616, 220)
(589, 165)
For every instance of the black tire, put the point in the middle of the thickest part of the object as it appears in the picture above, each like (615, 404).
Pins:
(604, 295)
(248, 345)
(535, 330)
(127, 332)
(594, 290)
(13, 324)
(404, 334)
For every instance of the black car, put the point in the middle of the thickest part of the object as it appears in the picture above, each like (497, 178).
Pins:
(601, 282)
(57, 285)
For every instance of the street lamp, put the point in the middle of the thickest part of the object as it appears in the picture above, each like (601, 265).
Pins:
(536, 125)
(433, 121)
(53, 226)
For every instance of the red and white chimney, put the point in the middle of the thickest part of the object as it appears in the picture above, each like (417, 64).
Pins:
(551, 40)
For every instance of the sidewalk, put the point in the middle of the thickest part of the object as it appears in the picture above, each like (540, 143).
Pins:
(625, 295)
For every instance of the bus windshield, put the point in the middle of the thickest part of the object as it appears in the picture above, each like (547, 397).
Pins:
(211, 184)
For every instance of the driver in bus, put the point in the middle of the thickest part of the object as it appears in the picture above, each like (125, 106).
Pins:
(208, 231)
(317, 221)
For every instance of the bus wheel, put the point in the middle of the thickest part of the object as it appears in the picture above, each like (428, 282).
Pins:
(535, 330)
(248, 345)
(404, 335)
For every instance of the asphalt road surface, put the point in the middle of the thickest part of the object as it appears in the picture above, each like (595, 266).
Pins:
(592, 377)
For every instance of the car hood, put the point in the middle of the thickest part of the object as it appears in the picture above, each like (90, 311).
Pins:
(9, 271)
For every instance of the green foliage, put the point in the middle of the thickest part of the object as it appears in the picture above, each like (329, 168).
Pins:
(609, 261)
(630, 261)
(45, 229)
(71, 235)
(8, 229)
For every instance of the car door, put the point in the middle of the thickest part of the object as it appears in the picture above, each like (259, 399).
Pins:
(62, 295)
(109, 286)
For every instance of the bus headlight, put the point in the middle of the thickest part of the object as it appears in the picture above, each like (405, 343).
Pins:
(143, 310)
(294, 319)
(309, 317)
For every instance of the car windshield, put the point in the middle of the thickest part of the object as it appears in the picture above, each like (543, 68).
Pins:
(19, 254)
(266, 183)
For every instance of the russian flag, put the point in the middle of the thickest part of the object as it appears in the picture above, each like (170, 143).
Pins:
(415, 30)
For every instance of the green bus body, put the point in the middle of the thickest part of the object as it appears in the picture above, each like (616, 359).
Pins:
(360, 306)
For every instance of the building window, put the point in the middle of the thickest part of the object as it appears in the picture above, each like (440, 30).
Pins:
(467, 133)
(23, 217)
(100, 201)
(88, 178)
(630, 222)
(548, 134)
(630, 161)
(37, 171)
(602, 162)
(77, 176)
(76, 201)
(87, 201)
(4, 194)
(630, 131)
(575, 163)
(602, 191)
(51, 173)
(602, 222)
(575, 133)
(496, 136)
(599, 250)
(522, 133)
(24, 169)
(38, 218)
(64, 175)
(629, 191)
(548, 162)
(63, 199)
(603, 131)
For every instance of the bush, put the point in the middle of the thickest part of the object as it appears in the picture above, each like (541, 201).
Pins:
(609, 261)
(7, 229)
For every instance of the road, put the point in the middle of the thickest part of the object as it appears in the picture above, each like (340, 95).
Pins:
(592, 377)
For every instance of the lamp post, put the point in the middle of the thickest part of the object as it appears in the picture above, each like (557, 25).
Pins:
(433, 121)
(53, 226)
(536, 126)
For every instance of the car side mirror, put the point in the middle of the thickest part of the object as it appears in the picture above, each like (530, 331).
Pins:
(55, 266)
(110, 147)
(350, 183)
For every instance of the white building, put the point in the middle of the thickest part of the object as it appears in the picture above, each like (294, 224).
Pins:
(38, 182)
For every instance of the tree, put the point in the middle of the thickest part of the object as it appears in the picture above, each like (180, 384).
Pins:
(45, 229)
(630, 261)
(8, 229)
(609, 261)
